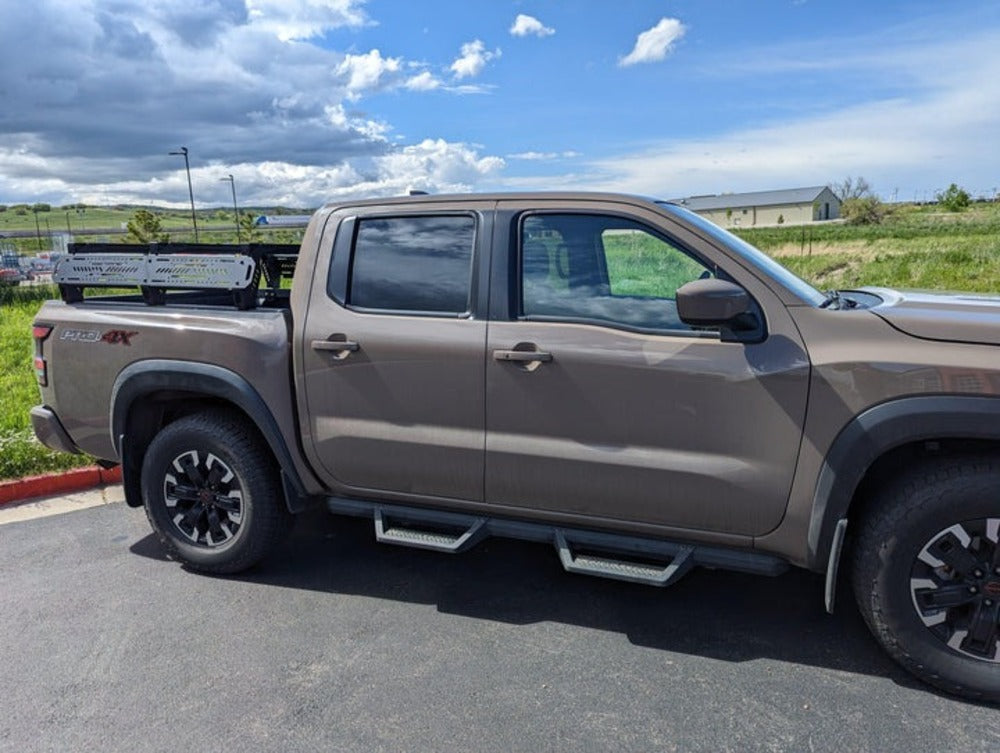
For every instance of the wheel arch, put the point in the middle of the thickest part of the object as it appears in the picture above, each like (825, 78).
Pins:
(148, 395)
(876, 440)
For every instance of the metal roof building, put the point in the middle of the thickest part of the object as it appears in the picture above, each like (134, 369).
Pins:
(792, 206)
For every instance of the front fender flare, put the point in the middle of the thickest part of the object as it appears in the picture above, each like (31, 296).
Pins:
(878, 430)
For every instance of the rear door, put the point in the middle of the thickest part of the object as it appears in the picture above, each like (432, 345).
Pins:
(393, 354)
(602, 403)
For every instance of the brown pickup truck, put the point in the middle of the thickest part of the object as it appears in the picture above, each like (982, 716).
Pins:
(613, 375)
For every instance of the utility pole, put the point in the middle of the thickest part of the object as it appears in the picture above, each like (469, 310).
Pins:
(183, 151)
(236, 210)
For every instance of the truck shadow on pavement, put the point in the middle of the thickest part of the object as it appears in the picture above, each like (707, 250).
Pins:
(714, 614)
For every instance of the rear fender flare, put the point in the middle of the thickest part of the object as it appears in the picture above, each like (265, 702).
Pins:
(155, 375)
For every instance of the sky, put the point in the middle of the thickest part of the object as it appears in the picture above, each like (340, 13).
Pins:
(309, 101)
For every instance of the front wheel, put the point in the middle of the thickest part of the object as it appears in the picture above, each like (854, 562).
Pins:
(926, 574)
(211, 491)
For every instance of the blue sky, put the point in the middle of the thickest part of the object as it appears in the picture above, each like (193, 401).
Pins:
(312, 100)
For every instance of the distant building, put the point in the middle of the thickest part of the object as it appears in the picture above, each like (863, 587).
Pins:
(792, 206)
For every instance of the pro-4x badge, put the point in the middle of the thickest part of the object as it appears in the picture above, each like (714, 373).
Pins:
(118, 336)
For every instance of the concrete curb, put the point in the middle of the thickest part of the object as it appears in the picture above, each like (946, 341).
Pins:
(18, 490)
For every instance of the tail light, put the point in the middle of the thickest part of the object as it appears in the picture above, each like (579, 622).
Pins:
(39, 332)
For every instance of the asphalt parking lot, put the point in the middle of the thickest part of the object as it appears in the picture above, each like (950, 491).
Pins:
(341, 644)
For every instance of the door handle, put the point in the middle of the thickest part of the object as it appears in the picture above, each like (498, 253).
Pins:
(522, 356)
(341, 348)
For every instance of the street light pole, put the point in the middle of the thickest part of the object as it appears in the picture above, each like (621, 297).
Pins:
(38, 230)
(236, 210)
(187, 167)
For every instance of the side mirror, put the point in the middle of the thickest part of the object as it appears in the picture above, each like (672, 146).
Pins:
(719, 303)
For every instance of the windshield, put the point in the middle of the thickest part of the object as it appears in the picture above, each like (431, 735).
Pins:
(751, 255)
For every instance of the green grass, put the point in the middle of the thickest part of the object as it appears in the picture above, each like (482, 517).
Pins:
(20, 453)
(975, 271)
(92, 218)
(642, 265)
(906, 224)
(916, 247)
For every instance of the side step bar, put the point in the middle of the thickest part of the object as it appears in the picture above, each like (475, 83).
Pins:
(633, 572)
(634, 559)
(437, 541)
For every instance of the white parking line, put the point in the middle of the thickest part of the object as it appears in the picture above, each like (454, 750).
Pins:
(62, 503)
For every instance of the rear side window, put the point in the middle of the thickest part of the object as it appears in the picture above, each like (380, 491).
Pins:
(413, 264)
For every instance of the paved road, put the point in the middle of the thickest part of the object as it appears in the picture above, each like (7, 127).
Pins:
(342, 644)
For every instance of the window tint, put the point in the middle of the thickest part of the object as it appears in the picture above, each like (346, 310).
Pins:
(413, 264)
(603, 268)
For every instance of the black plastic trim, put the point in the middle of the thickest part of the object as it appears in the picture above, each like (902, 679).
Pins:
(50, 431)
(144, 377)
(878, 430)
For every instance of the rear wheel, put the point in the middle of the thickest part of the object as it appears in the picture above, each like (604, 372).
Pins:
(211, 491)
(926, 574)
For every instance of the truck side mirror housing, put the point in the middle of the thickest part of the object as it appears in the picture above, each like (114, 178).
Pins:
(722, 304)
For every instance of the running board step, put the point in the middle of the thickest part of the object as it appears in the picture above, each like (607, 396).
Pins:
(610, 555)
(634, 572)
(437, 541)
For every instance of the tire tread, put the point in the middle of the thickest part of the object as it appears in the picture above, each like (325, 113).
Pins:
(893, 509)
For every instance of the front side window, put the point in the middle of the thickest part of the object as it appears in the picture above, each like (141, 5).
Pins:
(421, 264)
(603, 269)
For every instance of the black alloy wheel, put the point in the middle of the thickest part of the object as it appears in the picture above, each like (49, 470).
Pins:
(955, 583)
(204, 498)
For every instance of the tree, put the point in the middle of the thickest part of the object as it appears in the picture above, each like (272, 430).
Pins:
(144, 227)
(954, 199)
(852, 188)
(864, 210)
(249, 228)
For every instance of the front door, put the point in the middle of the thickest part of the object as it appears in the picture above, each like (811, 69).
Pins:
(601, 402)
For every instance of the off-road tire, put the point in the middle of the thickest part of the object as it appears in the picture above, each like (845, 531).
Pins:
(222, 442)
(899, 523)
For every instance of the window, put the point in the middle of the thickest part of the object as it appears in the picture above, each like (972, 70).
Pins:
(413, 264)
(602, 268)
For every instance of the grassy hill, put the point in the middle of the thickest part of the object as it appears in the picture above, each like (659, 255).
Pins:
(915, 247)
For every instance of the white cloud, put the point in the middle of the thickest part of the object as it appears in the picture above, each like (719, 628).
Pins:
(422, 82)
(655, 44)
(542, 156)
(366, 71)
(302, 19)
(470, 88)
(441, 165)
(524, 25)
(433, 165)
(472, 59)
